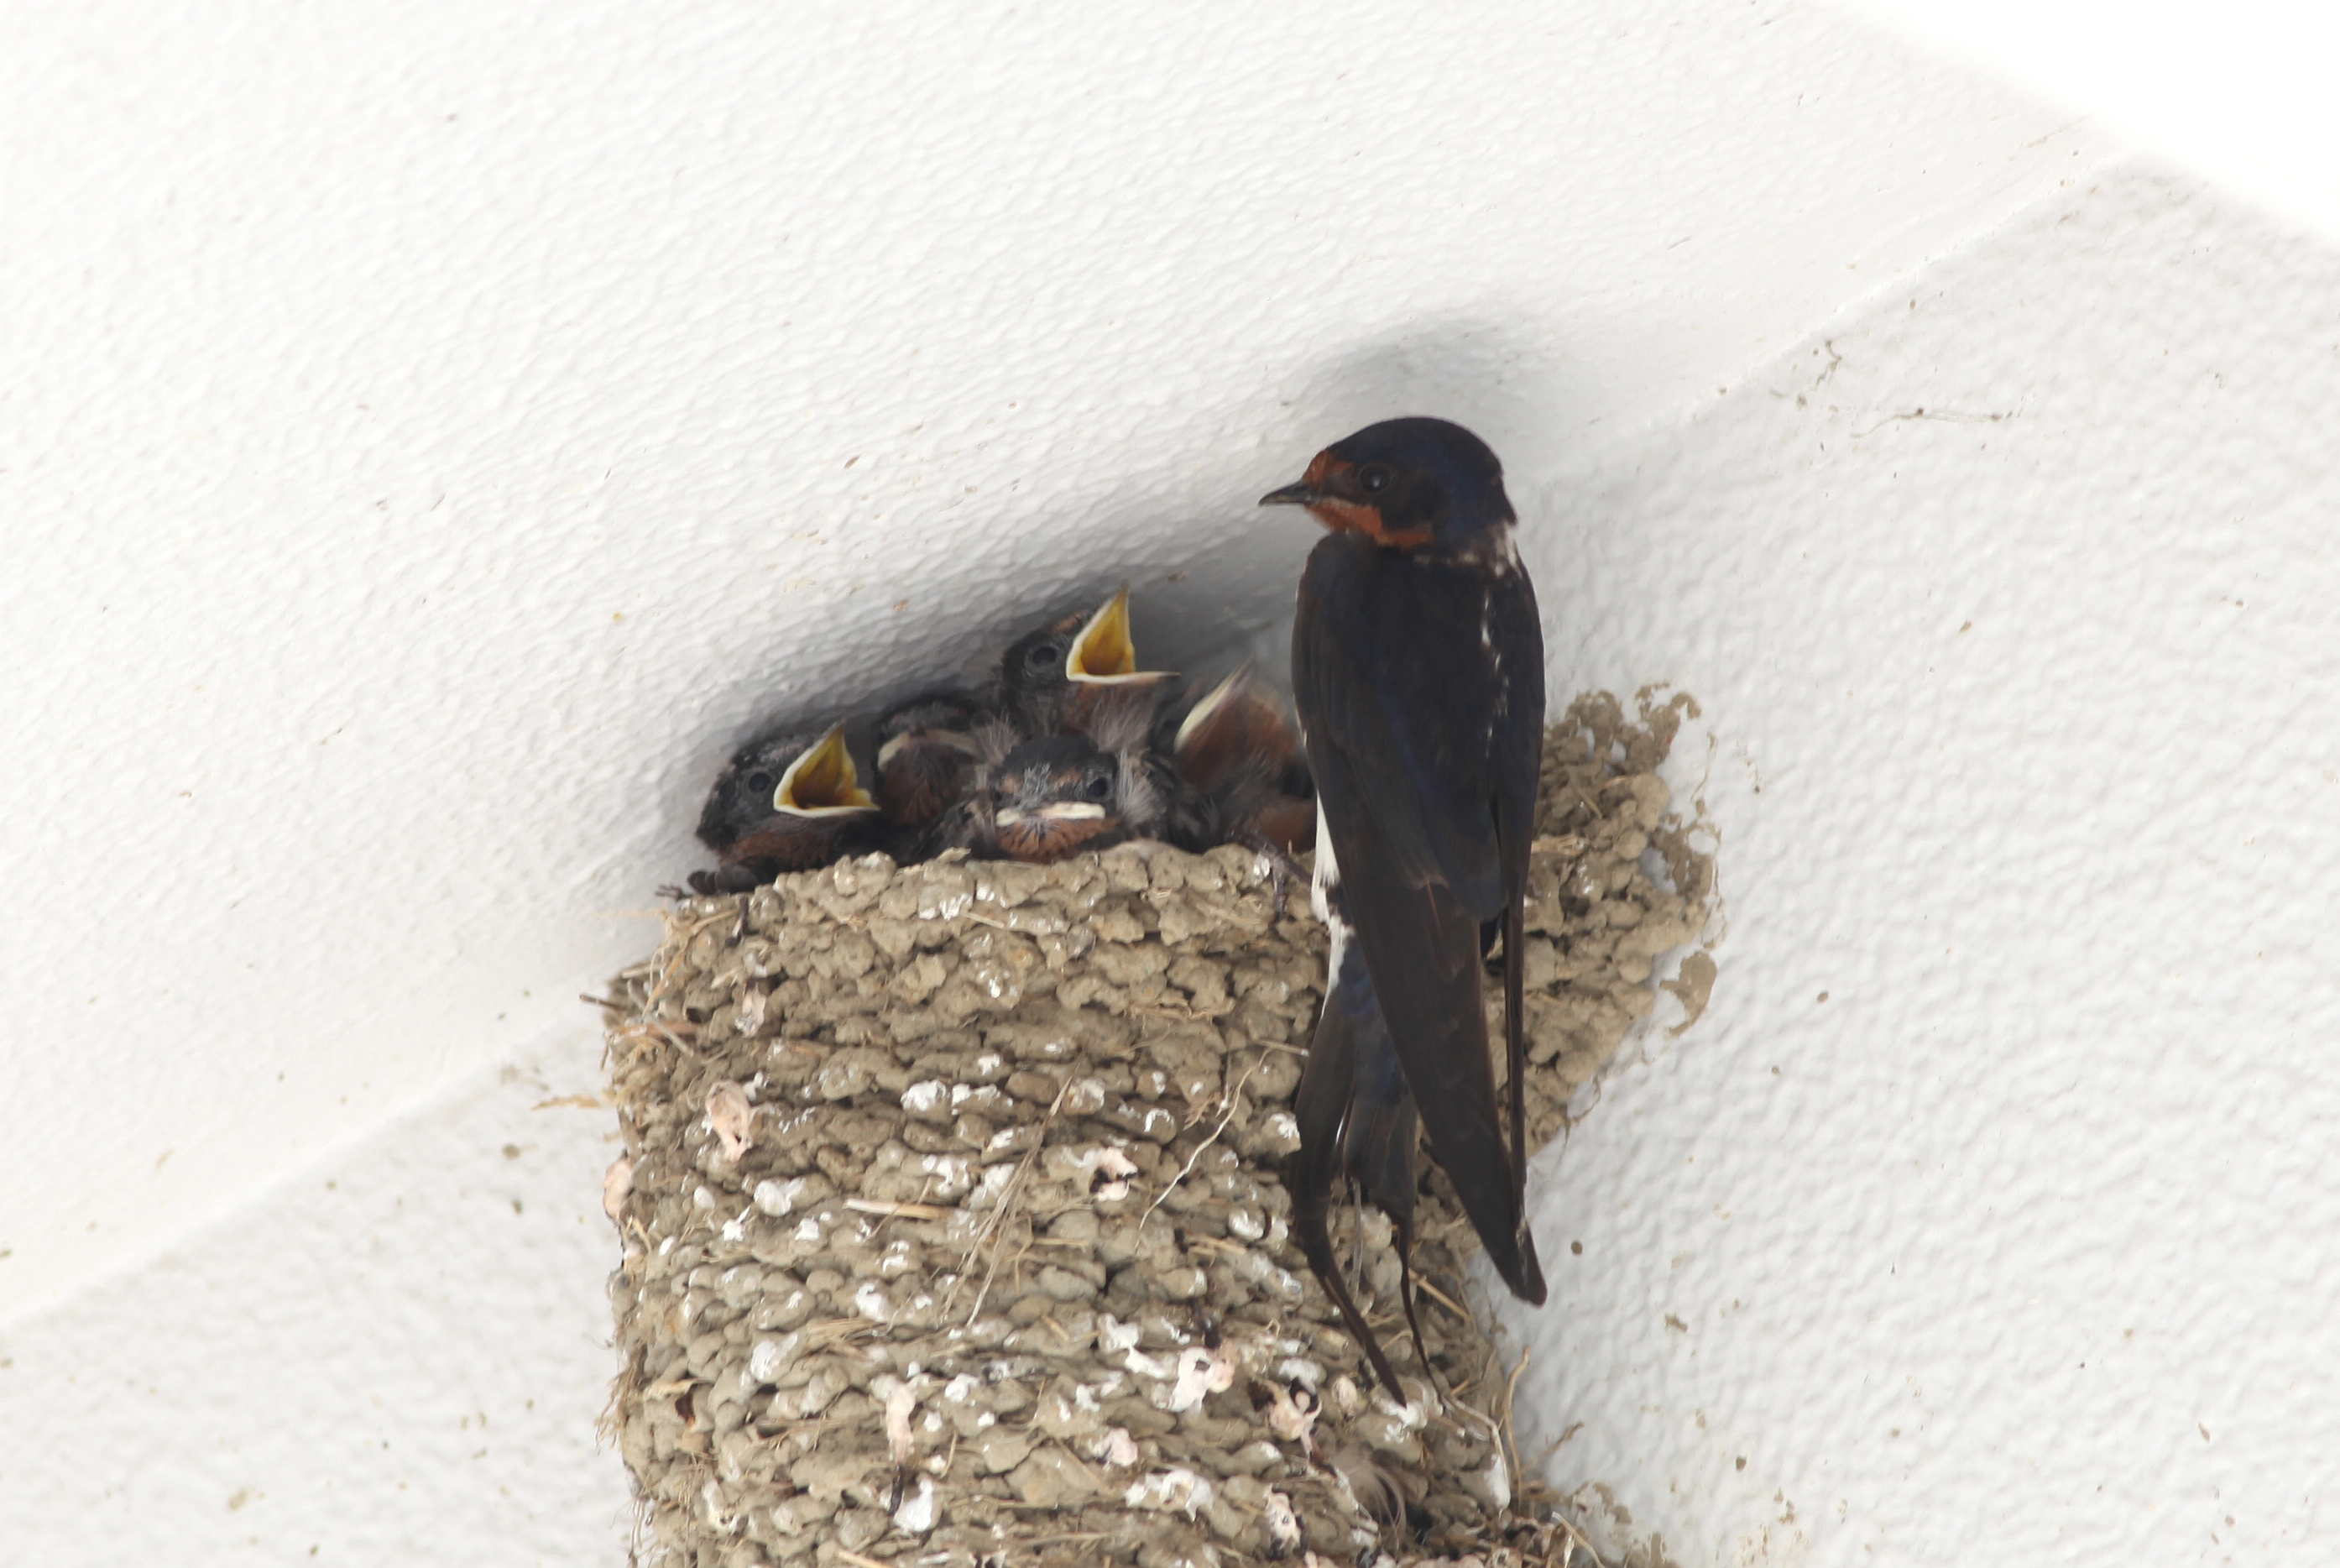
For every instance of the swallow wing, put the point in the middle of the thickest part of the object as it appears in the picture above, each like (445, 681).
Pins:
(1379, 1149)
(1402, 751)
(1356, 1124)
(1392, 668)
(1514, 639)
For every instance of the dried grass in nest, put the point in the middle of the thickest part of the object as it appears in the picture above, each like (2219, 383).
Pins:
(953, 1227)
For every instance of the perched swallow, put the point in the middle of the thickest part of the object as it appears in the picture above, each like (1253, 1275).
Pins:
(1357, 1128)
(1073, 674)
(1417, 662)
(1245, 781)
(1056, 795)
(926, 758)
(784, 803)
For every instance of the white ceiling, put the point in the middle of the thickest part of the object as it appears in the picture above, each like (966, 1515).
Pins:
(2239, 90)
(433, 435)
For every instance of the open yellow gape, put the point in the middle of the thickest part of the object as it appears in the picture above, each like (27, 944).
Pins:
(822, 781)
(1105, 653)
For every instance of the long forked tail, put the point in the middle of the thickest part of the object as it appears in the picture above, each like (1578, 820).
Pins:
(1422, 946)
(1357, 1129)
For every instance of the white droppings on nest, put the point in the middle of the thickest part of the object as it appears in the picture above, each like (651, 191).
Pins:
(1497, 1479)
(919, 1512)
(1010, 1245)
(780, 1198)
(1297, 1370)
(952, 1174)
(1282, 1525)
(1166, 1490)
(997, 1179)
(1292, 1413)
(1154, 1368)
(1200, 1371)
(617, 1186)
(731, 1118)
(773, 1357)
(1109, 1172)
(901, 1398)
(1409, 1414)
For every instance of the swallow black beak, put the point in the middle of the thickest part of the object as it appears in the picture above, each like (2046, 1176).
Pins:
(1300, 494)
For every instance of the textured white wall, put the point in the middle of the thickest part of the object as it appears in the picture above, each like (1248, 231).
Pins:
(2238, 90)
(1989, 1213)
(425, 450)
(435, 435)
(397, 1358)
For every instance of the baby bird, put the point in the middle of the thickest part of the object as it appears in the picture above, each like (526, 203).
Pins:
(1073, 674)
(1050, 796)
(1056, 796)
(926, 758)
(1246, 781)
(786, 802)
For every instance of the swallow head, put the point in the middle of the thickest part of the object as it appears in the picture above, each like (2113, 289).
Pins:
(1103, 651)
(1417, 484)
(1035, 662)
(822, 781)
(742, 795)
(1055, 796)
(786, 801)
(925, 755)
(1063, 672)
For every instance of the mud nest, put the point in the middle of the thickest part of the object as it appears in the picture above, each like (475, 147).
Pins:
(953, 1227)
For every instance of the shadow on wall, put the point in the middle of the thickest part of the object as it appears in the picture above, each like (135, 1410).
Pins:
(1514, 387)
(1213, 577)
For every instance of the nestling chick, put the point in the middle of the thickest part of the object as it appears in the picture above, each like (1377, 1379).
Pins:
(925, 757)
(1077, 673)
(786, 802)
(1245, 781)
(1047, 796)
(1054, 796)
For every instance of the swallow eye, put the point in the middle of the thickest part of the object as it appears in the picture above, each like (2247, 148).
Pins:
(1099, 788)
(1374, 477)
(1044, 657)
(760, 782)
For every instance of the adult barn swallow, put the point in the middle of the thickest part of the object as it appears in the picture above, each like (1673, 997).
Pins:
(1417, 662)
(1247, 781)
(1072, 673)
(925, 757)
(784, 803)
(1357, 1128)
